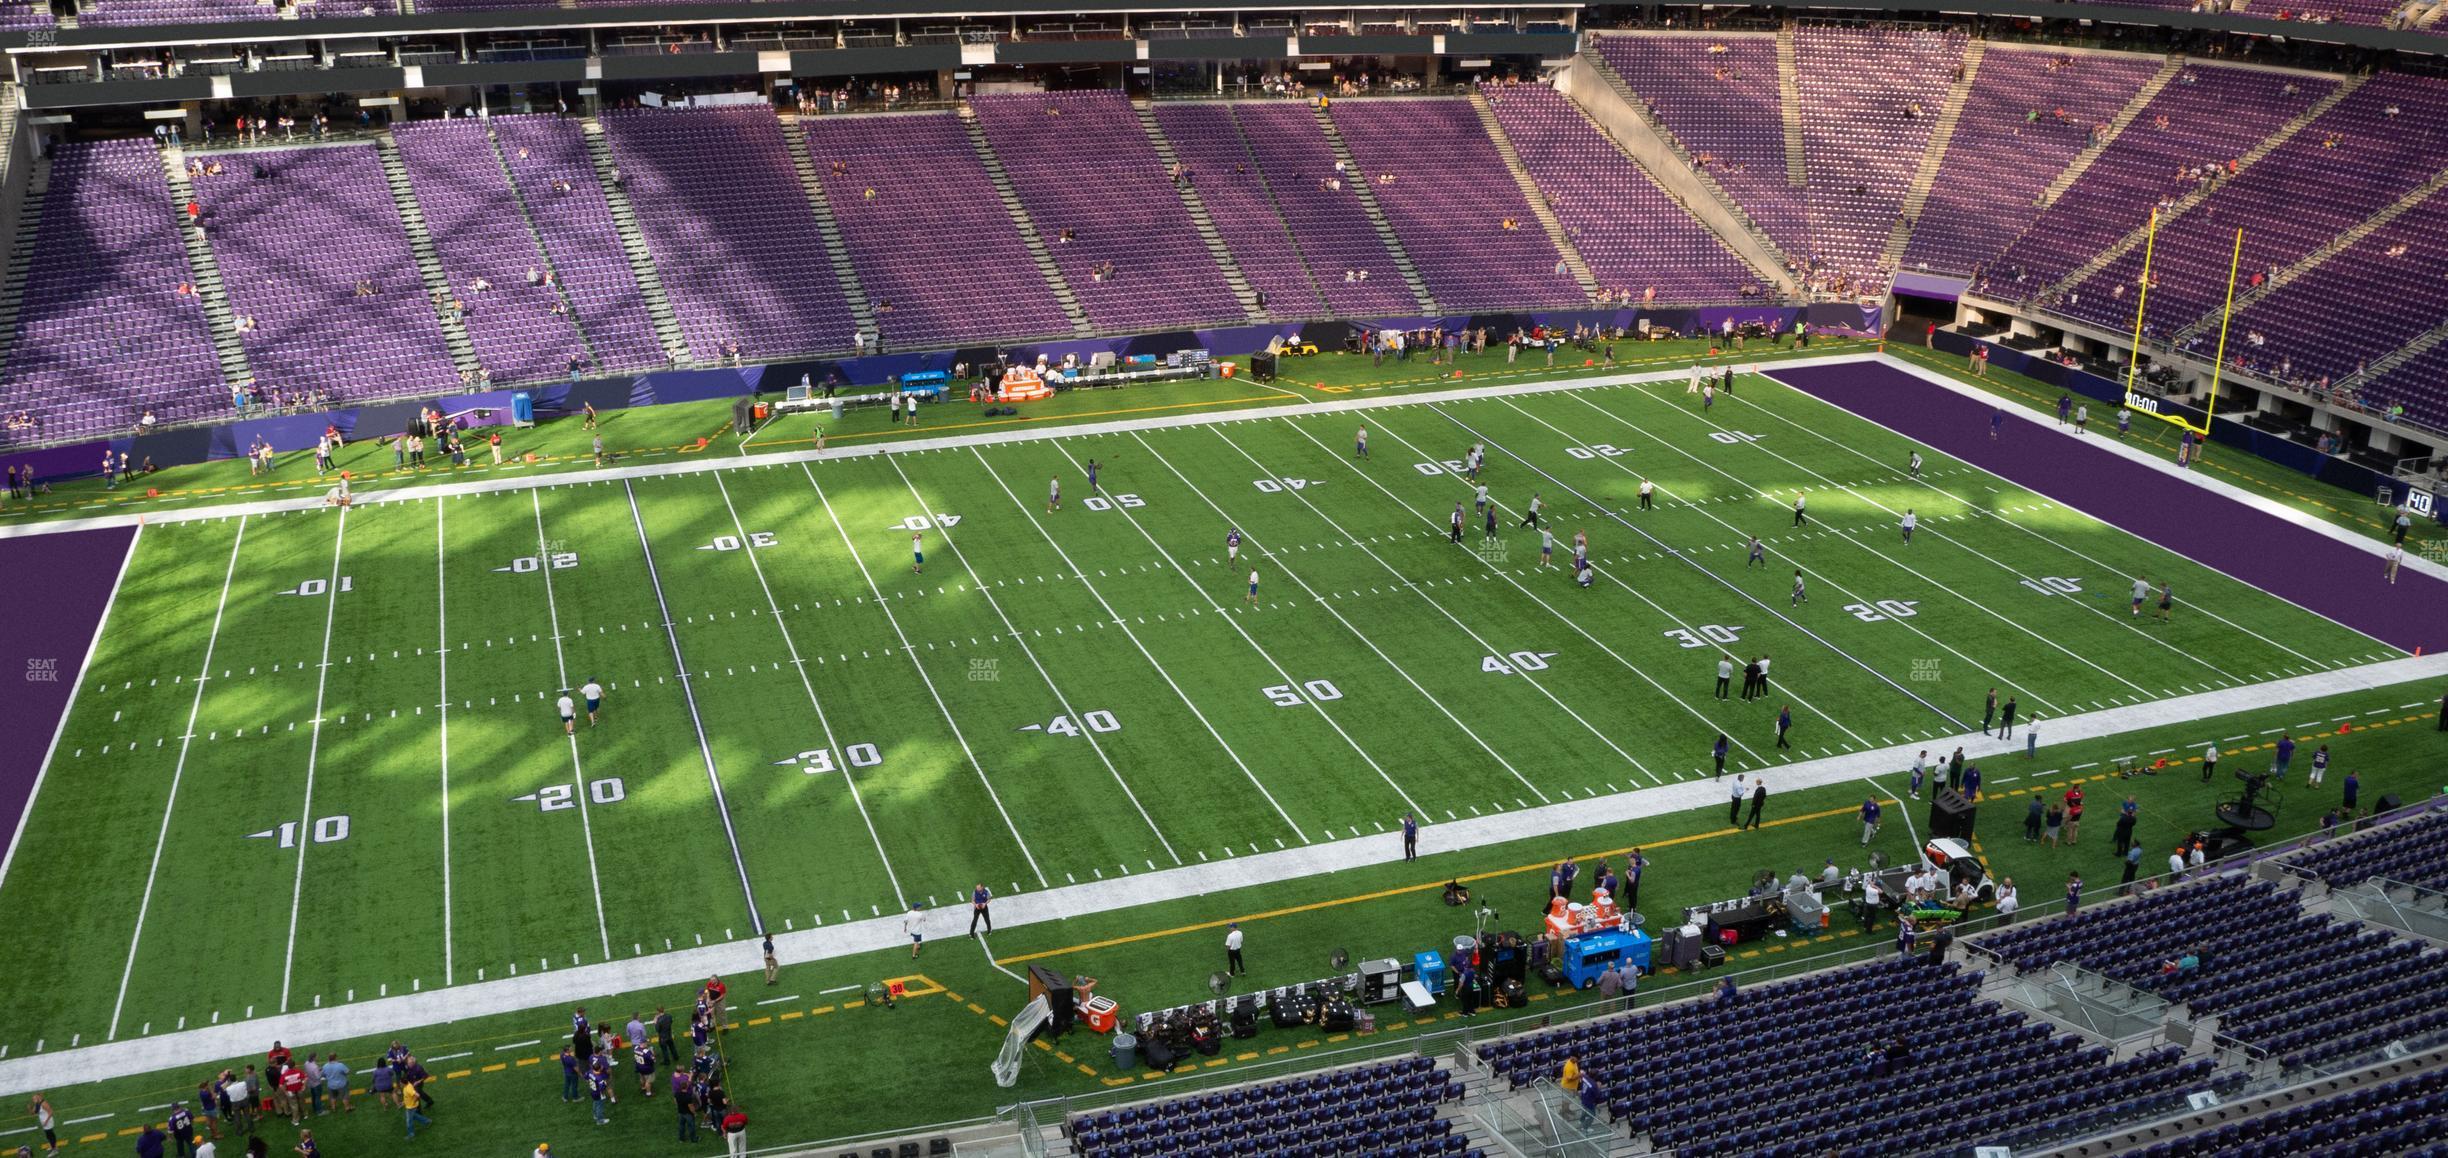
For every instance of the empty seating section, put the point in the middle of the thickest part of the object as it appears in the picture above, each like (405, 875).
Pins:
(2349, 163)
(2414, 852)
(2204, 116)
(296, 247)
(102, 332)
(2396, 1117)
(928, 233)
(1690, 1075)
(1719, 96)
(1387, 1109)
(1632, 234)
(1870, 97)
(578, 231)
(2322, 324)
(481, 239)
(1207, 140)
(118, 13)
(2420, 384)
(2029, 114)
(18, 15)
(1081, 161)
(734, 239)
(1332, 228)
(2304, 989)
(1448, 200)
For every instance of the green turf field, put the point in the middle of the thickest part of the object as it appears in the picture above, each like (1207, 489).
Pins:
(370, 793)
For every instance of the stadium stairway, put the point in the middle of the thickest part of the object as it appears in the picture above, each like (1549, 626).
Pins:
(2380, 367)
(1601, 95)
(1376, 213)
(1916, 197)
(204, 273)
(1789, 101)
(1535, 196)
(1290, 238)
(837, 251)
(633, 243)
(2116, 128)
(1028, 229)
(2197, 195)
(2314, 259)
(21, 250)
(1199, 219)
(518, 201)
(438, 289)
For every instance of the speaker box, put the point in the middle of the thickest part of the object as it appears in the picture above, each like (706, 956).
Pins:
(1056, 989)
(1951, 815)
(2388, 803)
(1244, 1018)
(1291, 1011)
(743, 416)
(1262, 366)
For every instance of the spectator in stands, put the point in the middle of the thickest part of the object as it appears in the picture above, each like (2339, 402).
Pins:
(2009, 902)
(2074, 886)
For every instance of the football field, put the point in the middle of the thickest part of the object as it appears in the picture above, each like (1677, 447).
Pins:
(316, 759)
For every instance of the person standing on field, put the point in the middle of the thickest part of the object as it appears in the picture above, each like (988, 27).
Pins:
(569, 714)
(592, 693)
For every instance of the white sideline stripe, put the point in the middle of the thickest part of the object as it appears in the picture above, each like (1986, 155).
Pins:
(451, 1057)
(1365, 641)
(578, 788)
(838, 989)
(511, 1046)
(1435, 604)
(178, 770)
(822, 721)
(768, 1001)
(1116, 618)
(391, 1015)
(314, 751)
(578, 475)
(2200, 607)
(688, 693)
(920, 666)
(1011, 629)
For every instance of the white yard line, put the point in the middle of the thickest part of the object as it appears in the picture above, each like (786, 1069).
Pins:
(815, 703)
(920, 666)
(442, 676)
(1789, 556)
(578, 786)
(1283, 563)
(1234, 622)
(1679, 621)
(1013, 632)
(1439, 607)
(178, 769)
(688, 694)
(390, 1015)
(1940, 534)
(314, 749)
(1118, 620)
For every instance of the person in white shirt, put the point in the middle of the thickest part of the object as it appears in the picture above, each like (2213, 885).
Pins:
(2176, 865)
(1800, 500)
(1725, 674)
(2195, 858)
(2396, 555)
(1910, 521)
(569, 715)
(911, 924)
(1646, 487)
(592, 693)
(2007, 900)
(1232, 948)
(1913, 466)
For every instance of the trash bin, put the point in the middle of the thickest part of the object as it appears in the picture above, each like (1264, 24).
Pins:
(1125, 1052)
(1464, 945)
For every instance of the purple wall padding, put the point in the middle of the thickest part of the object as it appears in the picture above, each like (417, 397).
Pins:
(2293, 562)
(42, 655)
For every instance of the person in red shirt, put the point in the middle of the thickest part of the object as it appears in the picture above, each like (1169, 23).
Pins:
(279, 1055)
(293, 1093)
(735, 1130)
(2074, 808)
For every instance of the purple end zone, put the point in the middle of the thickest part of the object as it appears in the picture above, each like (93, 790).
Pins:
(2274, 554)
(43, 650)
